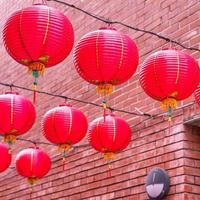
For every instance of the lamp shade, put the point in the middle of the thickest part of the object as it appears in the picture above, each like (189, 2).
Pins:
(64, 126)
(33, 164)
(5, 157)
(106, 57)
(17, 115)
(109, 135)
(38, 37)
(197, 94)
(169, 76)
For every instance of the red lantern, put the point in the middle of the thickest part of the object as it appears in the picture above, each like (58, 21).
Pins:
(64, 126)
(105, 58)
(109, 135)
(5, 157)
(17, 116)
(38, 37)
(197, 94)
(169, 76)
(32, 163)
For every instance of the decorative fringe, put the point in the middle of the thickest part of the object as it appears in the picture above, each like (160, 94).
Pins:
(63, 162)
(63, 148)
(32, 180)
(30, 193)
(110, 170)
(34, 91)
(104, 89)
(170, 125)
(109, 156)
(10, 139)
(36, 68)
(104, 104)
(169, 103)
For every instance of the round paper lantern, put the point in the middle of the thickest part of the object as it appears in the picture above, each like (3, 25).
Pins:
(38, 37)
(197, 94)
(169, 76)
(105, 58)
(5, 157)
(17, 116)
(109, 135)
(64, 126)
(32, 163)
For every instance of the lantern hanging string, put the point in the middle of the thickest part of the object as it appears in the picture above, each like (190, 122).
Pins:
(148, 116)
(110, 22)
(46, 143)
(78, 100)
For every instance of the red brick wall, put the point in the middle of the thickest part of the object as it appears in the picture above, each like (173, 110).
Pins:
(152, 145)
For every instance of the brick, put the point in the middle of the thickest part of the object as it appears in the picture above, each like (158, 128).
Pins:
(152, 144)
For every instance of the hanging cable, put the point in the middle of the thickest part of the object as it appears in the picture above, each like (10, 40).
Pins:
(77, 100)
(46, 143)
(108, 21)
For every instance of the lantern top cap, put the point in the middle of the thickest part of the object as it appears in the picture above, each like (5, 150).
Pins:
(12, 92)
(34, 147)
(170, 48)
(107, 28)
(66, 104)
(39, 4)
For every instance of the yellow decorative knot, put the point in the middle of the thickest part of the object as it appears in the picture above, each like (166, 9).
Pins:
(109, 156)
(104, 105)
(11, 139)
(32, 180)
(169, 103)
(64, 147)
(36, 66)
(104, 89)
(44, 59)
(110, 166)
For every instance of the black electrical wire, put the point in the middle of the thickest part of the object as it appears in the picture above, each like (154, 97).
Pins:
(45, 143)
(74, 99)
(108, 21)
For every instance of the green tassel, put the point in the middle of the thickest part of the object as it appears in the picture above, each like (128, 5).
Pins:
(104, 102)
(35, 83)
(35, 74)
(169, 113)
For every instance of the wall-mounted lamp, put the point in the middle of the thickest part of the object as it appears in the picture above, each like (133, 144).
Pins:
(157, 184)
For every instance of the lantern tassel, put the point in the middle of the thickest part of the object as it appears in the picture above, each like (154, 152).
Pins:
(10, 140)
(31, 181)
(35, 74)
(109, 156)
(109, 169)
(34, 92)
(31, 192)
(169, 118)
(104, 89)
(64, 160)
(63, 148)
(63, 163)
(104, 109)
(169, 103)
(9, 149)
